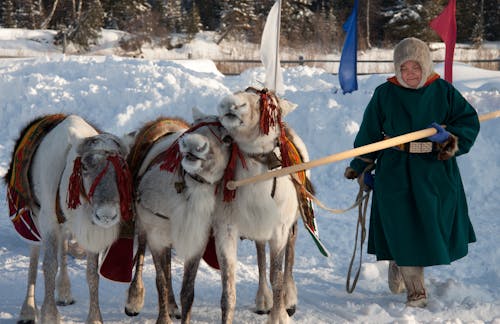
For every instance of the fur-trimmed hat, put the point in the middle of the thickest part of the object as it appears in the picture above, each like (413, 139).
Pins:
(413, 49)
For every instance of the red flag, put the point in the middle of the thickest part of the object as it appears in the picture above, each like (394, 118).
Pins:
(446, 26)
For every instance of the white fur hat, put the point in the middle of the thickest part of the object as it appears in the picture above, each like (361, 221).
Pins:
(413, 49)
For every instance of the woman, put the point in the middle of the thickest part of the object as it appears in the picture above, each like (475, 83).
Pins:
(419, 213)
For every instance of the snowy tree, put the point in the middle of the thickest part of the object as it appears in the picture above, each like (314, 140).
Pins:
(297, 22)
(173, 15)
(210, 13)
(491, 17)
(237, 18)
(28, 14)
(192, 21)
(86, 28)
(8, 14)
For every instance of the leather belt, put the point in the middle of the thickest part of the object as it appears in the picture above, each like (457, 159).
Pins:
(416, 147)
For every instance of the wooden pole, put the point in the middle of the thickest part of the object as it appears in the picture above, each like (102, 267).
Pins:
(377, 146)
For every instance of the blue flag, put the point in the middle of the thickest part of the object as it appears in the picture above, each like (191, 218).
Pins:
(348, 60)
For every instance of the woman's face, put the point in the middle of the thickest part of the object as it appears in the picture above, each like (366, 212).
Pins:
(411, 73)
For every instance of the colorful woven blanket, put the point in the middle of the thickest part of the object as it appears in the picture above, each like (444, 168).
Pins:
(19, 195)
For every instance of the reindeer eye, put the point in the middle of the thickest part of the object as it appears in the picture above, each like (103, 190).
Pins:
(227, 139)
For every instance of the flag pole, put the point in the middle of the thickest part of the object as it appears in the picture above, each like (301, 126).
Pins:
(276, 59)
(377, 146)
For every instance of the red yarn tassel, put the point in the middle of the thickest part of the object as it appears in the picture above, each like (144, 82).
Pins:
(229, 195)
(75, 183)
(269, 113)
(124, 183)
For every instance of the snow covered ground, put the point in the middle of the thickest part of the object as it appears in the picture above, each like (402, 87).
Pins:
(119, 95)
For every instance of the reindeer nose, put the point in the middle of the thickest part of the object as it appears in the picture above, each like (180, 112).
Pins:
(106, 215)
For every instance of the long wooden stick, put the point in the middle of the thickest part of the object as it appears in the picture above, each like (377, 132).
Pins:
(377, 146)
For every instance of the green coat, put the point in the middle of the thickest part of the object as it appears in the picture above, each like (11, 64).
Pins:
(419, 213)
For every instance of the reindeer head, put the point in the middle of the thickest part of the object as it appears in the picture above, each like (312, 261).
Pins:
(101, 176)
(254, 118)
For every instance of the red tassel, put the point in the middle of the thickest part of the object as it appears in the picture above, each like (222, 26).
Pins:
(229, 195)
(124, 183)
(75, 183)
(269, 113)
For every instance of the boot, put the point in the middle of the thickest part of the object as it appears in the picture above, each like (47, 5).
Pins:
(395, 279)
(413, 277)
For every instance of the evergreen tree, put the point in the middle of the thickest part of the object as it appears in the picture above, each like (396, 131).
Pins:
(210, 13)
(192, 22)
(126, 15)
(297, 22)
(174, 15)
(491, 17)
(26, 14)
(406, 19)
(8, 14)
(86, 29)
(237, 19)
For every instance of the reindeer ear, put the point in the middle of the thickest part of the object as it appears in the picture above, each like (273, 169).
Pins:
(197, 114)
(286, 106)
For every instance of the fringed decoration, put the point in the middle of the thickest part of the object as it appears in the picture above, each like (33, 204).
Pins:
(172, 157)
(270, 114)
(124, 183)
(229, 195)
(285, 146)
(75, 183)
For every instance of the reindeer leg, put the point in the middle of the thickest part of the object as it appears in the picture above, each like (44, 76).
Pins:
(264, 298)
(172, 305)
(161, 286)
(29, 311)
(94, 316)
(289, 283)
(136, 290)
(50, 314)
(226, 245)
(187, 291)
(63, 284)
(278, 313)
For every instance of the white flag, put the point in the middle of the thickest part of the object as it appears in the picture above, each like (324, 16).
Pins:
(269, 50)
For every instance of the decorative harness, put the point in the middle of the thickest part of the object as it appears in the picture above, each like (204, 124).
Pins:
(123, 182)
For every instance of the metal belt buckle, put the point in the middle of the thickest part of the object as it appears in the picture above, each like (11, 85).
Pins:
(420, 147)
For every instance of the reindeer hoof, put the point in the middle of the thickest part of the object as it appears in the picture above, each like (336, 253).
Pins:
(291, 310)
(131, 314)
(262, 312)
(26, 322)
(65, 302)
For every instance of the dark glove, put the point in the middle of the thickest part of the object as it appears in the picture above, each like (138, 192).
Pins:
(350, 173)
(368, 181)
(448, 148)
(441, 136)
(365, 180)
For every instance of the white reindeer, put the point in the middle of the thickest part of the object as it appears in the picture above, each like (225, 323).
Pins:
(265, 211)
(79, 175)
(175, 209)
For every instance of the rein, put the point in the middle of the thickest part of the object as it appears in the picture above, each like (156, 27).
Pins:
(361, 202)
